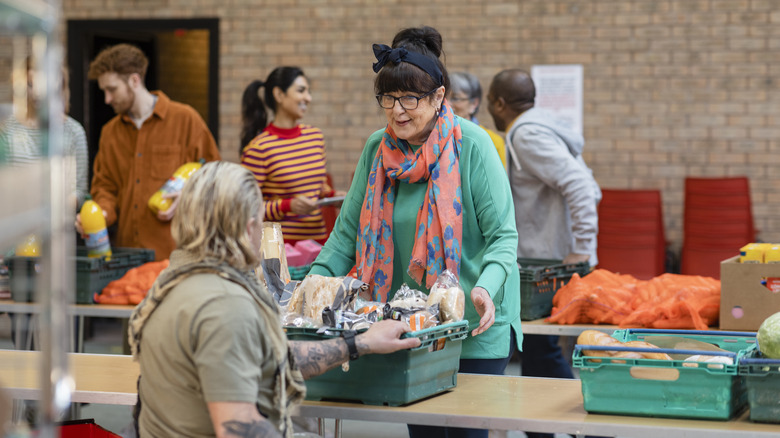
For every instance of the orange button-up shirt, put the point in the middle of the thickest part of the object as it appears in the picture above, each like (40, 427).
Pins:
(132, 164)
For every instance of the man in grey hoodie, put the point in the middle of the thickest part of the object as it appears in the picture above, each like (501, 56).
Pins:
(554, 193)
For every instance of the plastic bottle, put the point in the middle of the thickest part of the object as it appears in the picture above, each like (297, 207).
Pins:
(94, 224)
(174, 184)
(29, 248)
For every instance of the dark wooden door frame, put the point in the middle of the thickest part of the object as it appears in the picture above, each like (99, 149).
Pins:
(80, 32)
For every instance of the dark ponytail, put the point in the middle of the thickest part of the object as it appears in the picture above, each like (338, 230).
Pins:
(254, 118)
(253, 115)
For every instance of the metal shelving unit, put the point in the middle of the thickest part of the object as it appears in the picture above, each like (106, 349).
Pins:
(33, 198)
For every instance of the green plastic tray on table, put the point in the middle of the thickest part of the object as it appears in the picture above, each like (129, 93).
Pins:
(665, 388)
(539, 280)
(92, 274)
(762, 378)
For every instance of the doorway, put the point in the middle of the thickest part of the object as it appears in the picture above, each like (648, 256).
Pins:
(183, 62)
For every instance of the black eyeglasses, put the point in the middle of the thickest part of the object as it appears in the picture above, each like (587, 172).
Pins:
(387, 101)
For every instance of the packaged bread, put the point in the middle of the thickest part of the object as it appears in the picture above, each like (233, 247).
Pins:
(317, 292)
(725, 360)
(595, 337)
(447, 293)
(273, 249)
(646, 355)
(408, 298)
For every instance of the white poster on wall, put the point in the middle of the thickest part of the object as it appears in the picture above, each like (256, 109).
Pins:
(559, 90)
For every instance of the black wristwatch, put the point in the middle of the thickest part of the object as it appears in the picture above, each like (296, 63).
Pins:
(349, 338)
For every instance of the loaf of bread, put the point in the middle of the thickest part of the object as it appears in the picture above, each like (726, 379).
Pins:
(451, 301)
(595, 337)
(643, 344)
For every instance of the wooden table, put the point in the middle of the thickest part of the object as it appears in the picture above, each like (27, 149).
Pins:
(493, 402)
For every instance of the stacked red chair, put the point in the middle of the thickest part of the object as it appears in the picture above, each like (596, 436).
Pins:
(631, 236)
(717, 222)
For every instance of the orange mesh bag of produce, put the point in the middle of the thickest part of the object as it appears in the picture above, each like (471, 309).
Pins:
(666, 301)
(133, 286)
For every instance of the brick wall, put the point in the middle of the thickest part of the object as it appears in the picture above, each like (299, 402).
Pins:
(672, 88)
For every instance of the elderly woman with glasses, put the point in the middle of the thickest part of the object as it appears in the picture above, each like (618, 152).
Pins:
(429, 194)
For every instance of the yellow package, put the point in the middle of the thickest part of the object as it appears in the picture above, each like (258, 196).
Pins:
(772, 254)
(751, 253)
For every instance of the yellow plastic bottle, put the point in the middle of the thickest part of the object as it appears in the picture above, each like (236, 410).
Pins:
(29, 248)
(94, 224)
(174, 184)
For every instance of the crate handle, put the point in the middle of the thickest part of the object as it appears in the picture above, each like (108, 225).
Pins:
(655, 350)
(654, 373)
(759, 361)
(690, 332)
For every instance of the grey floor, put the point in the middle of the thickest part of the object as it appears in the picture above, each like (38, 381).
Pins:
(104, 337)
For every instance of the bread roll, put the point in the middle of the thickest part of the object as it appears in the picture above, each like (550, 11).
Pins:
(643, 344)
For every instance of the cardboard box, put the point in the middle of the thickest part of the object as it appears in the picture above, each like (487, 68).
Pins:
(745, 299)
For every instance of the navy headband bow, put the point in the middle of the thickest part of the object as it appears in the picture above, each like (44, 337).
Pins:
(385, 53)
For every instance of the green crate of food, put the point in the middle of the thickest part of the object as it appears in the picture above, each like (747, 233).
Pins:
(393, 379)
(299, 272)
(539, 280)
(665, 388)
(93, 274)
(762, 378)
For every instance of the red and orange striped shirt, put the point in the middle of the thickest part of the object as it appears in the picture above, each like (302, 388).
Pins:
(287, 163)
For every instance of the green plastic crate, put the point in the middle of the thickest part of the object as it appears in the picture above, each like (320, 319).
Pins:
(762, 378)
(539, 280)
(393, 379)
(299, 272)
(665, 388)
(92, 274)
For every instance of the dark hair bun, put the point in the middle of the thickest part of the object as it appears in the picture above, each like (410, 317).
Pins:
(424, 39)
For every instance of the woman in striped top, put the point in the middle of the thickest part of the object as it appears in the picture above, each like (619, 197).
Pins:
(286, 158)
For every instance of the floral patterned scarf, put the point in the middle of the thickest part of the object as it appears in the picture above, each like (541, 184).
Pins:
(439, 220)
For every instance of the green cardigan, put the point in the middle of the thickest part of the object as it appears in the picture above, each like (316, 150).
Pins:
(489, 244)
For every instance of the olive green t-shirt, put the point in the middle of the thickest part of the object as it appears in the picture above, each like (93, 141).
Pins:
(204, 343)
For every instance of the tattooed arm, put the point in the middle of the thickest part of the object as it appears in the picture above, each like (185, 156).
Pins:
(316, 357)
(240, 419)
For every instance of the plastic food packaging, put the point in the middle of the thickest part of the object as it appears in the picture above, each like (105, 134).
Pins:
(158, 202)
(595, 337)
(94, 224)
(294, 256)
(417, 318)
(316, 293)
(408, 298)
(309, 249)
(448, 294)
(274, 272)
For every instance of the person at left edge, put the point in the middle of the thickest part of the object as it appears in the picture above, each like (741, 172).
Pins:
(140, 148)
(430, 193)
